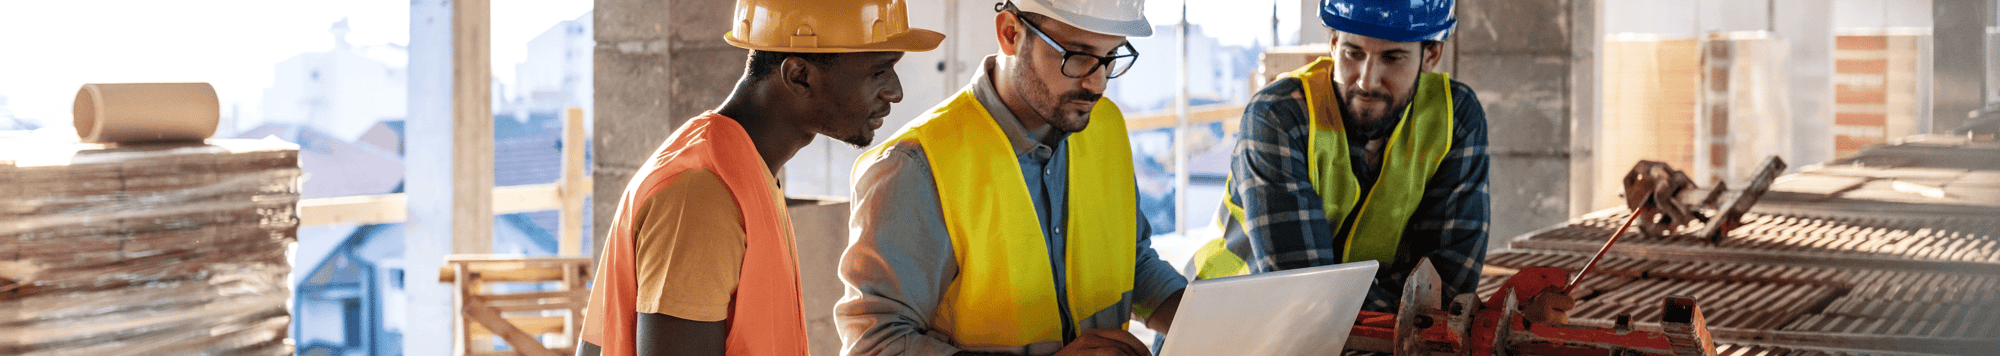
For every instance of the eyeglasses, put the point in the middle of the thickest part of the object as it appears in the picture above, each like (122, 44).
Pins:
(1078, 64)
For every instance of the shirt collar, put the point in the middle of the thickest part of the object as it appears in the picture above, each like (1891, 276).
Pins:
(988, 95)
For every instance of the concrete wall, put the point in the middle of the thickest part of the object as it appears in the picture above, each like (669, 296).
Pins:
(656, 64)
(821, 229)
(822, 168)
(1523, 72)
(1959, 60)
(1807, 27)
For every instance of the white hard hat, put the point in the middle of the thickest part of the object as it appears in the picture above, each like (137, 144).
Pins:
(1112, 17)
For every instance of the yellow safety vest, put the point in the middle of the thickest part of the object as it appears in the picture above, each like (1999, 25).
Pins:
(1005, 295)
(1415, 149)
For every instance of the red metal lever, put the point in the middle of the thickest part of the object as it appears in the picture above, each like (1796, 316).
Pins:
(1587, 266)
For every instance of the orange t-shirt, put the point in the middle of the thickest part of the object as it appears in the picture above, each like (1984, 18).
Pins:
(652, 258)
(689, 248)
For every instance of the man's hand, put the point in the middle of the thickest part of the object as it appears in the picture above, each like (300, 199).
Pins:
(1105, 342)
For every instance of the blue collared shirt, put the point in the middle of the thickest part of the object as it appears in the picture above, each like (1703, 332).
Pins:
(899, 261)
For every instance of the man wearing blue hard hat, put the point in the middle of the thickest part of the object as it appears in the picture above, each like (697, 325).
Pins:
(1364, 155)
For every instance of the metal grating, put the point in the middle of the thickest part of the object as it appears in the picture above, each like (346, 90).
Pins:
(1939, 239)
(1793, 284)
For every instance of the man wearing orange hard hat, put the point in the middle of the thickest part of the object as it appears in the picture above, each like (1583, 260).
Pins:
(1005, 220)
(700, 258)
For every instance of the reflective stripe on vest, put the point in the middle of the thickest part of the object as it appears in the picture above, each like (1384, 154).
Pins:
(767, 316)
(1414, 151)
(1004, 295)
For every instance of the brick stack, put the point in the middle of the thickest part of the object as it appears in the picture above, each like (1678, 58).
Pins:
(153, 249)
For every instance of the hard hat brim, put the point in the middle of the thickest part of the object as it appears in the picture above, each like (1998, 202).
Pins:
(916, 40)
(1128, 28)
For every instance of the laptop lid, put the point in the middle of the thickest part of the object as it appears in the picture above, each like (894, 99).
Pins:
(1307, 311)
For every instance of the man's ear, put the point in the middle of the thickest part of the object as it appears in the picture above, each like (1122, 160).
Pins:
(1007, 27)
(798, 76)
(1433, 53)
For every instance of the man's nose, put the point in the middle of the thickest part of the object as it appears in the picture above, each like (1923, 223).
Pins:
(1371, 75)
(1096, 81)
(894, 93)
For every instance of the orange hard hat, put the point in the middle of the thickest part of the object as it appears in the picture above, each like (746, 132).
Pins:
(828, 26)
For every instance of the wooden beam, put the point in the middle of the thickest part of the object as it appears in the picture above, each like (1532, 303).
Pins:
(1227, 114)
(575, 185)
(360, 209)
(463, 295)
(472, 127)
(516, 338)
(525, 198)
(392, 208)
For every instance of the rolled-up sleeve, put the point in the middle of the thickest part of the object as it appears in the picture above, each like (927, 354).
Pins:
(1271, 179)
(898, 260)
(1153, 279)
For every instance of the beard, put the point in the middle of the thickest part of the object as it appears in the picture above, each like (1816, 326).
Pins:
(858, 135)
(1050, 107)
(859, 139)
(1373, 124)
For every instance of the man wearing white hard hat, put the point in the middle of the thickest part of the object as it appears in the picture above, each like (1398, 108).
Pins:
(1005, 220)
(700, 258)
(1365, 155)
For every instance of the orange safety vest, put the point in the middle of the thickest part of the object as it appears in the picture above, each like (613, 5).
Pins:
(767, 314)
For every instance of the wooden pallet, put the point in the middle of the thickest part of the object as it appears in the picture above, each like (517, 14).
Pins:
(516, 318)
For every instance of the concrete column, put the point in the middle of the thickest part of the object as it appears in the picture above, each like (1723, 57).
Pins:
(1585, 103)
(1807, 28)
(1959, 62)
(1522, 71)
(656, 64)
(450, 150)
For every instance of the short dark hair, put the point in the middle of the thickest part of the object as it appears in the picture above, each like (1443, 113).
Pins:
(1437, 45)
(762, 63)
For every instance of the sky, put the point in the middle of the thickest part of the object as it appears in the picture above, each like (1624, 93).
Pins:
(50, 48)
(1233, 22)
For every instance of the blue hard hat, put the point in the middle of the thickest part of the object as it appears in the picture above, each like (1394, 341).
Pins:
(1393, 20)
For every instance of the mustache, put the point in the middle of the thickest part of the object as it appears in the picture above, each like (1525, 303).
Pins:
(1082, 95)
(1373, 94)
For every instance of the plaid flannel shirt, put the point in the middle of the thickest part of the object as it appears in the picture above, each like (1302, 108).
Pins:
(1287, 225)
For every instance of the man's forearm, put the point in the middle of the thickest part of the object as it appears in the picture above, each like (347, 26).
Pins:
(1162, 319)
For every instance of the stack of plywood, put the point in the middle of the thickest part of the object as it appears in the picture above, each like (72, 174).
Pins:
(146, 250)
(1649, 102)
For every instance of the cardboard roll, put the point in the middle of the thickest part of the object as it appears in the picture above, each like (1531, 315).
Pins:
(146, 112)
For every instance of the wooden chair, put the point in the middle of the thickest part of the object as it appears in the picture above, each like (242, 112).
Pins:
(517, 318)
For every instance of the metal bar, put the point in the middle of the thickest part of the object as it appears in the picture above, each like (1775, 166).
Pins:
(1601, 251)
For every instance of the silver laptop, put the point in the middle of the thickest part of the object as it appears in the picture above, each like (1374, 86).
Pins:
(1306, 311)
